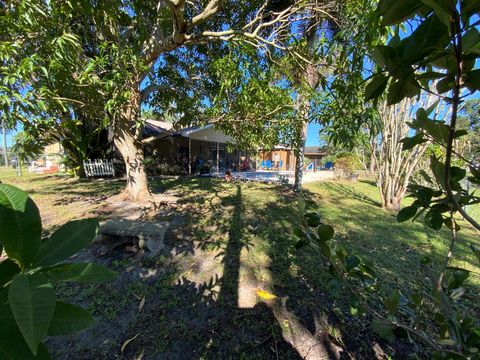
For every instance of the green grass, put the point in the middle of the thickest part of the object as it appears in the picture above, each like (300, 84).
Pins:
(236, 238)
(59, 197)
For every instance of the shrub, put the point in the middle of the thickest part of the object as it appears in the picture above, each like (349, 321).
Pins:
(346, 166)
(29, 310)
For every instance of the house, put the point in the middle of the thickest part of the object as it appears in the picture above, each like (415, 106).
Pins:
(49, 161)
(193, 149)
(314, 154)
(280, 157)
(203, 148)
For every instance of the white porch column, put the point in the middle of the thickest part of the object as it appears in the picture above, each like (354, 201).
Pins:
(218, 156)
(189, 156)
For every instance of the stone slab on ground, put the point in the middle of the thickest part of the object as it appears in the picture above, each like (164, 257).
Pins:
(150, 234)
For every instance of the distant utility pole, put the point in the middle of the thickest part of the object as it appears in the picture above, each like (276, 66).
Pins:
(4, 133)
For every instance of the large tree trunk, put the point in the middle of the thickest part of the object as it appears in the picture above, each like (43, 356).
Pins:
(300, 156)
(128, 141)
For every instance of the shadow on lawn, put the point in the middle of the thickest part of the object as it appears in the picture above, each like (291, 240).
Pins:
(197, 317)
(351, 192)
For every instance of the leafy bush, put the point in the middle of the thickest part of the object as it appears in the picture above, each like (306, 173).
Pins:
(452, 333)
(346, 166)
(29, 310)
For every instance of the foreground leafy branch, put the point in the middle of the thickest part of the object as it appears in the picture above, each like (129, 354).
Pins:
(29, 310)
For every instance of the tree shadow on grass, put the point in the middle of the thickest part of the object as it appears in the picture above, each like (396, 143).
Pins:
(192, 304)
(351, 192)
(183, 318)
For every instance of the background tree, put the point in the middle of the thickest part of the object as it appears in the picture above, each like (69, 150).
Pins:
(394, 160)
(139, 39)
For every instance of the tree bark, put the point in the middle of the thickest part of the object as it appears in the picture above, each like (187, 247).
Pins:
(300, 138)
(394, 166)
(372, 163)
(300, 157)
(128, 141)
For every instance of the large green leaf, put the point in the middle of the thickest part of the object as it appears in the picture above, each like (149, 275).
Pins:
(32, 300)
(394, 11)
(8, 269)
(410, 142)
(430, 36)
(20, 224)
(68, 319)
(67, 241)
(473, 80)
(434, 220)
(12, 344)
(325, 232)
(81, 272)
(401, 89)
(407, 213)
(376, 87)
(441, 9)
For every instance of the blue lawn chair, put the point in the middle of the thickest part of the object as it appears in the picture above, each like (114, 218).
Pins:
(280, 165)
(268, 164)
(262, 166)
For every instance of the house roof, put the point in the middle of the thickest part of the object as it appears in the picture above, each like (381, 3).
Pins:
(205, 133)
(315, 150)
(156, 127)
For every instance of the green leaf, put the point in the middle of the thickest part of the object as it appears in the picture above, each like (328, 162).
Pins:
(457, 173)
(438, 169)
(473, 80)
(431, 75)
(441, 9)
(460, 133)
(456, 277)
(352, 262)
(67, 241)
(434, 219)
(411, 142)
(407, 213)
(68, 319)
(417, 298)
(81, 272)
(476, 251)
(301, 243)
(471, 41)
(20, 225)
(32, 300)
(376, 87)
(391, 303)
(313, 219)
(446, 84)
(401, 89)
(325, 232)
(395, 12)
(383, 328)
(8, 269)
(429, 37)
(12, 344)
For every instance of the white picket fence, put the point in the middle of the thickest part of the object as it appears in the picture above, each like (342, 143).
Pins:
(99, 167)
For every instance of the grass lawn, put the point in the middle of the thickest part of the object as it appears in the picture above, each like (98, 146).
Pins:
(228, 240)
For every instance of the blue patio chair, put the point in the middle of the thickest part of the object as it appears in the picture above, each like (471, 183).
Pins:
(268, 164)
(280, 165)
(328, 165)
(262, 166)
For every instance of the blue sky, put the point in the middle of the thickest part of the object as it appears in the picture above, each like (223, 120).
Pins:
(312, 136)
